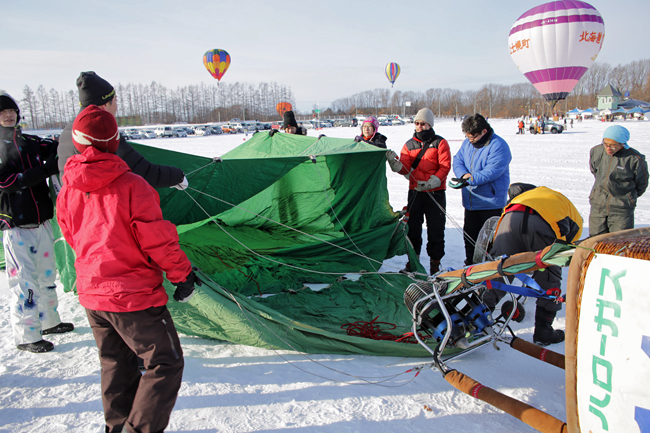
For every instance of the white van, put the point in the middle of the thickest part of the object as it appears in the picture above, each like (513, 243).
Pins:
(164, 131)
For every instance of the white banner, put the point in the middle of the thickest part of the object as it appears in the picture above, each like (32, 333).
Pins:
(614, 346)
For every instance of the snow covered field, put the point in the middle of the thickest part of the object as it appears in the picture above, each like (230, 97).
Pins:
(232, 388)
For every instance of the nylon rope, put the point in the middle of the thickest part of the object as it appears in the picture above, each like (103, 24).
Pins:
(370, 261)
(458, 227)
(250, 316)
(213, 219)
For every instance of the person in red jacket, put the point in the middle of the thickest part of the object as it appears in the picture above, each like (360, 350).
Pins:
(112, 219)
(426, 160)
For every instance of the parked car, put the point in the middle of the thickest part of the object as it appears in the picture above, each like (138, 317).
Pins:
(251, 126)
(343, 122)
(136, 134)
(148, 133)
(201, 130)
(164, 131)
(549, 126)
(235, 127)
(180, 132)
(215, 130)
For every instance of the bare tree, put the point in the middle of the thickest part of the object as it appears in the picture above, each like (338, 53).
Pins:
(29, 107)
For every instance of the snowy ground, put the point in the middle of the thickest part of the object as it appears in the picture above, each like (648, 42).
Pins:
(232, 388)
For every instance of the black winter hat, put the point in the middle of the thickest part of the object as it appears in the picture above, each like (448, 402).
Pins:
(289, 120)
(94, 90)
(7, 102)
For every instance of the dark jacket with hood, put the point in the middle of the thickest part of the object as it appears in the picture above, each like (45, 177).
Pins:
(158, 176)
(24, 168)
(378, 140)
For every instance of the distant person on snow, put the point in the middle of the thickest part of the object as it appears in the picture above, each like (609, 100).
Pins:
(369, 133)
(520, 125)
(482, 171)
(534, 218)
(94, 90)
(290, 125)
(26, 162)
(112, 219)
(426, 160)
(621, 177)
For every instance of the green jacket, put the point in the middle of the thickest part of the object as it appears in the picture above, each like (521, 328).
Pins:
(620, 179)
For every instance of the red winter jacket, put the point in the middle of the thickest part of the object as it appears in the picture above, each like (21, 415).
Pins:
(113, 221)
(436, 160)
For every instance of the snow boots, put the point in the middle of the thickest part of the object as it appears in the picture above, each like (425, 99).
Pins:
(435, 266)
(407, 269)
(61, 328)
(544, 333)
(37, 347)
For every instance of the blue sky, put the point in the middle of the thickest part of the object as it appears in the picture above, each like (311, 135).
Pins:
(323, 50)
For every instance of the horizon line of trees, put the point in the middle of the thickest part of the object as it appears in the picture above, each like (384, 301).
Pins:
(504, 101)
(140, 104)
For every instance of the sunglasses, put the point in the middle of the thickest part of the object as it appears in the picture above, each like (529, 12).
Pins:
(611, 146)
(420, 123)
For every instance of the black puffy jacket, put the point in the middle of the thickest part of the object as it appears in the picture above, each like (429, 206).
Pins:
(158, 176)
(24, 195)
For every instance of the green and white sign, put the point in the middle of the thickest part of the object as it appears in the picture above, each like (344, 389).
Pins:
(613, 383)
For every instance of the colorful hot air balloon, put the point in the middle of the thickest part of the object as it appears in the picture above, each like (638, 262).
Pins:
(216, 62)
(554, 44)
(392, 72)
(283, 107)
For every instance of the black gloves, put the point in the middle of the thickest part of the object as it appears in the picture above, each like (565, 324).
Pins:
(458, 183)
(185, 289)
(51, 165)
(357, 138)
(272, 131)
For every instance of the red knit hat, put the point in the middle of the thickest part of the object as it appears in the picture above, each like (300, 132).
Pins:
(95, 127)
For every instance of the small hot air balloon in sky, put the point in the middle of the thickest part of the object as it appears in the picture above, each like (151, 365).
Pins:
(283, 107)
(216, 62)
(392, 72)
(554, 44)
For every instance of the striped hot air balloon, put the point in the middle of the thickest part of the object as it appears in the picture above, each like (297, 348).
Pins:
(554, 44)
(392, 72)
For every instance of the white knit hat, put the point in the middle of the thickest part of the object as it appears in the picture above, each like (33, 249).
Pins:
(424, 115)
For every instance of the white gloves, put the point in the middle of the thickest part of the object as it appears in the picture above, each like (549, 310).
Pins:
(432, 183)
(393, 161)
(181, 186)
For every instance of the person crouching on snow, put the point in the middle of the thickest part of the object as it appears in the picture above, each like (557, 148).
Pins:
(369, 133)
(534, 218)
(112, 219)
(26, 162)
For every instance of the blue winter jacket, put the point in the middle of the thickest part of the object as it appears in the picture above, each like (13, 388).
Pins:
(488, 186)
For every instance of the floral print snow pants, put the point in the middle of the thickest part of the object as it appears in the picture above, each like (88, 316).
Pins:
(31, 273)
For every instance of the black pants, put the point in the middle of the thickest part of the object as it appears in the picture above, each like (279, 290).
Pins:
(474, 220)
(144, 402)
(420, 205)
(511, 238)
